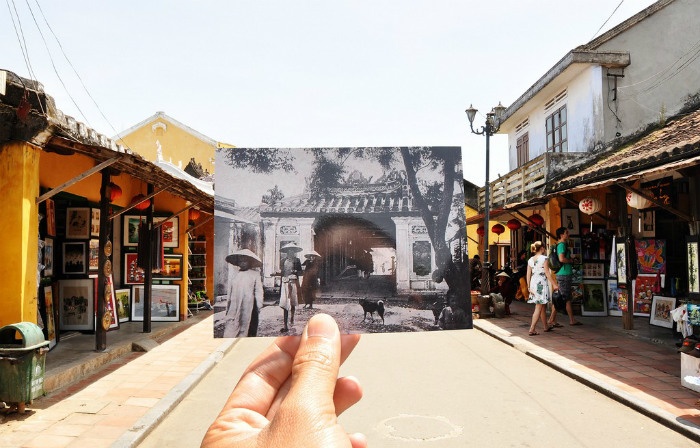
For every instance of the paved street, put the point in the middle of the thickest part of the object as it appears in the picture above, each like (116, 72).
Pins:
(446, 389)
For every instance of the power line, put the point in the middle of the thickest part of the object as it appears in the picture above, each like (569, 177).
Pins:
(608, 19)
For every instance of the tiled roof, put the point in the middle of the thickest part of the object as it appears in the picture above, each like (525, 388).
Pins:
(676, 143)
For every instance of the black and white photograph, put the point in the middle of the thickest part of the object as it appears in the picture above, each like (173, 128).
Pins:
(375, 237)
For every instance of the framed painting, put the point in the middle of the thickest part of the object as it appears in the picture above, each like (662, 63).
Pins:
(111, 303)
(48, 257)
(643, 288)
(133, 274)
(50, 316)
(50, 217)
(93, 255)
(95, 222)
(172, 268)
(131, 229)
(651, 256)
(693, 267)
(613, 298)
(76, 309)
(648, 223)
(165, 303)
(74, 258)
(593, 302)
(661, 311)
(623, 300)
(123, 298)
(593, 270)
(169, 231)
(569, 219)
(77, 223)
(621, 260)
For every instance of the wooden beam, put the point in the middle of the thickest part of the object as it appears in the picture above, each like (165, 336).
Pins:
(657, 203)
(76, 179)
(155, 226)
(598, 214)
(130, 207)
(540, 228)
(200, 224)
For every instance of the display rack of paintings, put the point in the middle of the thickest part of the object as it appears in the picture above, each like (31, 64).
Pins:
(165, 303)
(613, 294)
(76, 308)
(593, 302)
(643, 289)
(661, 311)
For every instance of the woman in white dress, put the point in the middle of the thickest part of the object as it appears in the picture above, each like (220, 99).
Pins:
(539, 279)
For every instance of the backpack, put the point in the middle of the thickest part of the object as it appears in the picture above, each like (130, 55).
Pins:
(554, 263)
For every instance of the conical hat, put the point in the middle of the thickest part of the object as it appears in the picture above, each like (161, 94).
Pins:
(291, 247)
(312, 253)
(235, 257)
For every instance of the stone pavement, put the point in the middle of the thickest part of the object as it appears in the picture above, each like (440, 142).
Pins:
(639, 368)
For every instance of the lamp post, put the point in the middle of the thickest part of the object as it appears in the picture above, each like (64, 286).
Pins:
(490, 127)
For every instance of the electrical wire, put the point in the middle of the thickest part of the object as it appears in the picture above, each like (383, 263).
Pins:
(608, 19)
(20, 38)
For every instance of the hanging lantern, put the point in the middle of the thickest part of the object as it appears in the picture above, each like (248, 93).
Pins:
(513, 224)
(589, 206)
(141, 202)
(194, 214)
(480, 231)
(114, 191)
(498, 229)
(537, 220)
(636, 201)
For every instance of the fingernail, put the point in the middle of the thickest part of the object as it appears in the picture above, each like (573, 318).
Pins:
(321, 325)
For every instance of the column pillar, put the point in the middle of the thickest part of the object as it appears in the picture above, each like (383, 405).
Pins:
(403, 254)
(19, 227)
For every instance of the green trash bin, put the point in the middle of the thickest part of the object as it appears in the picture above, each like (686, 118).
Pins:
(22, 363)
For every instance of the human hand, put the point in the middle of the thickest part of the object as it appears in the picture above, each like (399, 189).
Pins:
(291, 396)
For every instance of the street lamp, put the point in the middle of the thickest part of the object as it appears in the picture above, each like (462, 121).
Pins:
(493, 123)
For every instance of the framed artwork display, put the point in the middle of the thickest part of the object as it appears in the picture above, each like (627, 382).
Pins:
(170, 231)
(593, 303)
(50, 316)
(623, 299)
(94, 222)
(111, 303)
(661, 311)
(593, 270)
(77, 223)
(133, 274)
(48, 257)
(131, 229)
(76, 308)
(643, 289)
(50, 217)
(648, 223)
(74, 258)
(123, 298)
(93, 255)
(172, 268)
(651, 256)
(569, 219)
(693, 267)
(614, 298)
(165, 303)
(621, 259)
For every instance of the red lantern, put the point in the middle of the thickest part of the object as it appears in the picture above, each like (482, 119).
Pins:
(114, 191)
(480, 231)
(537, 220)
(513, 224)
(141, 204)
(498, 229)
(194, 214)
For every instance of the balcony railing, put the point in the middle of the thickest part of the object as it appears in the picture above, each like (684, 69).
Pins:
(529, 181)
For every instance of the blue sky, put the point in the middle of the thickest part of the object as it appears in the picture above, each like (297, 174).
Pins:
(302, 74)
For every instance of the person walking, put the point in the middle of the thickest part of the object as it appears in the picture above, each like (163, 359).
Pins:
(245, 295)
(539, 279)
(309, 283)
(289, 291)
(564, 277)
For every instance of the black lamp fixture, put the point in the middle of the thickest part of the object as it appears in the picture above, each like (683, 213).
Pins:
(490, 127)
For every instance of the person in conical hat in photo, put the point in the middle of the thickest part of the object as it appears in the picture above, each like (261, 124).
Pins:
(289, 291)
(245, 295)
(309, 284)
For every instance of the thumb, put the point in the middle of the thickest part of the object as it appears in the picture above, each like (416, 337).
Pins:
(315, 368)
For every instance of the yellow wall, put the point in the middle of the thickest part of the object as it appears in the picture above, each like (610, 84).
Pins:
(19, 187)
(177, 144)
